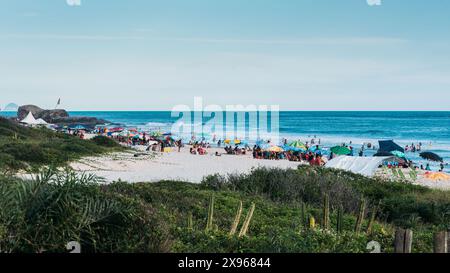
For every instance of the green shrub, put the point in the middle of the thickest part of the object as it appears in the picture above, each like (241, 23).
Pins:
(36, 147)
(402, 204)
(44, 214)
(105, 141)
(8, 162)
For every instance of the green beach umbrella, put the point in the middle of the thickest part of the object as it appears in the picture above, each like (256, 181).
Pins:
(157, 134)
(297, 144)
(340, 150)
(398, 154)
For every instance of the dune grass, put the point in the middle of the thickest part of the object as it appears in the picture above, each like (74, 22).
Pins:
(28, 148)
(43, 214)
(55, 207)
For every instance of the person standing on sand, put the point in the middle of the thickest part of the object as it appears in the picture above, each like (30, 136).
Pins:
(179, 144)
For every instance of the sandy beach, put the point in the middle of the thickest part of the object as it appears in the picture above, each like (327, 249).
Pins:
(421, 180)
(183, 166)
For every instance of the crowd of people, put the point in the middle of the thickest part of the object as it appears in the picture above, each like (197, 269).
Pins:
(413, 148)
(312, 154)
(314, 159)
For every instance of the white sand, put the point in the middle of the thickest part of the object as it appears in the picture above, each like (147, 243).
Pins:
(421, 180)
(172, 166)
(183, 166)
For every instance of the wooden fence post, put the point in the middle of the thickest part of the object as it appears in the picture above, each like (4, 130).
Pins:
(403, 241)
(448, 241)
(440, 242)
(399, 240)
(408, 241)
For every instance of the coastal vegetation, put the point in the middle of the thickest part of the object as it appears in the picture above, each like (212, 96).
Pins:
(54, 208)
(309, 209)
(23, 148)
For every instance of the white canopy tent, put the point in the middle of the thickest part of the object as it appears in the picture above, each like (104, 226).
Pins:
(30, 120)
(41, 122)
(361, 165)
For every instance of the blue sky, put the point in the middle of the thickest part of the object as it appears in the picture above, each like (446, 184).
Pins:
(299, 54)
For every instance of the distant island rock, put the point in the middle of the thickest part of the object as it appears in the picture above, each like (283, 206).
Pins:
(57, 116)
(11, 107)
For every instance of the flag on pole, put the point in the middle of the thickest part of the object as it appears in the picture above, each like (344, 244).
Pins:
(58, 103)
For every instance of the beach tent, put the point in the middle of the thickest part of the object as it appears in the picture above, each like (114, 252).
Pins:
(383, 154)
(41, 122)
(389, 146)
(361, 165)
(30, 120)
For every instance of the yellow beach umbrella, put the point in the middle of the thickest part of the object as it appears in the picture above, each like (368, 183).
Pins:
(276, 149)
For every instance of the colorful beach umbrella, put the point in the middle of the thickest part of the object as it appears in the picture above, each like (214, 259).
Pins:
(340, 150)
(116, 129)
(156, 134)
(264, 146)
(294, 149)
(276, 149)
(297, 144)
(229, 141)
(398, 154)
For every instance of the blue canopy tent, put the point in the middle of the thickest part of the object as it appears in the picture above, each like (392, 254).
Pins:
(389, 146)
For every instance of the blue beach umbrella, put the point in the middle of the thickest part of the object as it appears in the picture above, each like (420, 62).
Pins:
(264, 146)
(293, 149)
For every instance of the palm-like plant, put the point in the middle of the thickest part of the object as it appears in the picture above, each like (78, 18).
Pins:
(53, 208)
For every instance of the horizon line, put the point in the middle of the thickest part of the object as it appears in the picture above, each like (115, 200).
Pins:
(288, 110)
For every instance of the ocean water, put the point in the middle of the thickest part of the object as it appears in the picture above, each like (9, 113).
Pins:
(432, 129)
